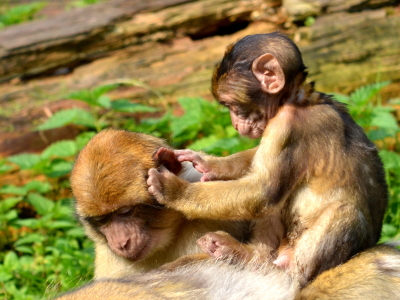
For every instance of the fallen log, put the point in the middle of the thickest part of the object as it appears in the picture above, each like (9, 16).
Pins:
(361, 49)
(84, 35)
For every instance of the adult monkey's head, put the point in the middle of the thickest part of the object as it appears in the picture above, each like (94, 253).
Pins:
(256, 76)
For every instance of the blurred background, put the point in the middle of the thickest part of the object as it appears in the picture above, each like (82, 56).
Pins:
(70, 68)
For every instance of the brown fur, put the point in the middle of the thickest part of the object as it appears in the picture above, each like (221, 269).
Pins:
(370, 275)
(314, 170)
(131, 231)
(208, 280)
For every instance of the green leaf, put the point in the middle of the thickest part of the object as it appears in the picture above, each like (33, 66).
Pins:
(26, 261)
(59, 119)
(59, 168)
(104, 101)
(11, 260)
(64, 209)
(5, 275)
(384, 119)
(156, 126)
(384, 109)
(341, 98)
(8, 203)
(85, 118)
(30, 238)
(390, 159)
(61, 224)
(191, 121)
(12, 189)
(77, 232)
(84, 138)
(223, 145)
(70, 116)
(362, 95)
(199, 118)
(126, 106)
(39, 186)
(227, 146)
(204, 143)
(42, 205)
(25, 161)
(379, 134)
(24, 249)
(95, 96)
(231, 132)
(388, 231)
(8, 216)
(3, 167)
(98, 91)
(60, 149)
(30, 223)
(83, 95)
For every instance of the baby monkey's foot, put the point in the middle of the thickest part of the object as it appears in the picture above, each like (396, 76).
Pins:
(222, 245)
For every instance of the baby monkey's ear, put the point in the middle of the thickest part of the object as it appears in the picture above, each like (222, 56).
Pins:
(269, 73)
(167, 158)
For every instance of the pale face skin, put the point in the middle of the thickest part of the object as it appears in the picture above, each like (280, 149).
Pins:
(250, 123)
(251, 120)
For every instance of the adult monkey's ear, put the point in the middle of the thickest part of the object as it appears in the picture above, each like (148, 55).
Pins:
(269, 73)
(167, 158)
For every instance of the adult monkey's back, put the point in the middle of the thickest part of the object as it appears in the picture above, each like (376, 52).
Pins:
(316, 185)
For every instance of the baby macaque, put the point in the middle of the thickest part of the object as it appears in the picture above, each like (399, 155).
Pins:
(315, 185)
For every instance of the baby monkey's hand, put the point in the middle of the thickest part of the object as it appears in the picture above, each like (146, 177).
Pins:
(199, 163)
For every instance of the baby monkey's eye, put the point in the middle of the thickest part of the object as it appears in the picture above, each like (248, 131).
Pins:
(224, 104)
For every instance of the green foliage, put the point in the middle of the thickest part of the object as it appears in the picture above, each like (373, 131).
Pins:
(380, 125)
(4, 167)
(35, 244)
(378, 121)
(102, 112)
(44, 249)
(54, 161)
(75, 116)
(20, 13)
(204, 126)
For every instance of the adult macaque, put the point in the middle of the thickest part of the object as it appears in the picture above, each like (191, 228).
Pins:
(370, 275)
(205, 280)
(131, 231)
(316, 185)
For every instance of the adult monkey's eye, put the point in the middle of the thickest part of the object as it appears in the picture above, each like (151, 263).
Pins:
(99, 219)
(125, 211)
